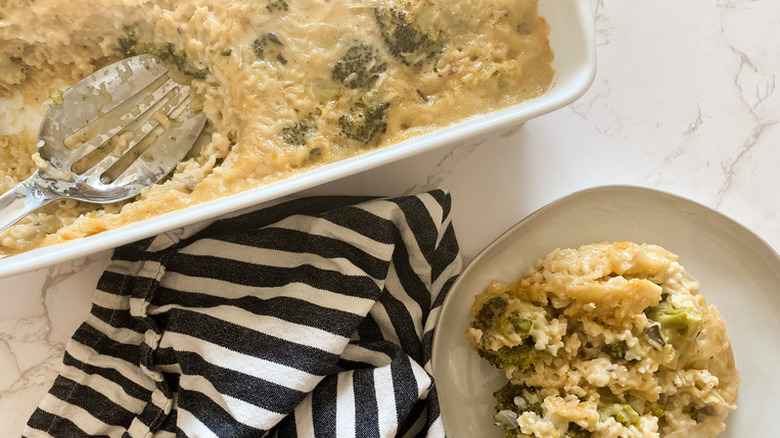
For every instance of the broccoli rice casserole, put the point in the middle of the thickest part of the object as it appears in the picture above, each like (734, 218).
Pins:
(606, 341)
(286, 84)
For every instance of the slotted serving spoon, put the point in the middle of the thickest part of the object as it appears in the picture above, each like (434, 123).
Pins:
(120, 129)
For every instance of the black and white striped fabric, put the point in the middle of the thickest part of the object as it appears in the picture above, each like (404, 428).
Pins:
(310, 318)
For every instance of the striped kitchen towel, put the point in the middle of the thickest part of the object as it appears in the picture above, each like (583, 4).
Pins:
(312, 317)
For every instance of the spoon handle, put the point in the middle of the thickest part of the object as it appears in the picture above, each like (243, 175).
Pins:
(22, 200)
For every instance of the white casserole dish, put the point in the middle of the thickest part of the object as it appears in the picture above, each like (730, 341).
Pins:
(573, 44)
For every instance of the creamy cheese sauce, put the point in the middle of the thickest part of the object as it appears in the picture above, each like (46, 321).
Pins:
(287, 85)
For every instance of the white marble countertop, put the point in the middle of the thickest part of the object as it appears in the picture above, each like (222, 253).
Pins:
(684, 101)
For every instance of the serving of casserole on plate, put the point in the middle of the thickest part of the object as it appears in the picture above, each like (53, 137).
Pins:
(297, 93)
(608, 340)
(737, 272)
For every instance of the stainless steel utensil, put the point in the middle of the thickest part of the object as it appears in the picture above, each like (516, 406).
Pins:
(118, 130)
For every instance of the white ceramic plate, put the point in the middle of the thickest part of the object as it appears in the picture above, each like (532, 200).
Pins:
(572, 40)
(739, 274)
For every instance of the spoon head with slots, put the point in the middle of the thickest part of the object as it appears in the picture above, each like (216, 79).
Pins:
(119, 130)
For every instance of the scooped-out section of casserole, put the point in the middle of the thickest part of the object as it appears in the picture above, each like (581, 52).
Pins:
(286, 85)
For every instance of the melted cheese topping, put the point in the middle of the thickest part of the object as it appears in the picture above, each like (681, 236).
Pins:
(272, 78)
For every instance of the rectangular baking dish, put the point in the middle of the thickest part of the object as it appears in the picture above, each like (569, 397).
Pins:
(573, 43)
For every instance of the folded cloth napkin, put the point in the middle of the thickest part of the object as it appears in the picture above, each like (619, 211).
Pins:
(312, 317)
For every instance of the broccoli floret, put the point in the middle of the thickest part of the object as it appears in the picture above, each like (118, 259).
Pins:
(491, 319)
(623, 413)
(692, 411)
(492, 308)
(518, 398)
(524, 357)
(404, 40)
(505, 397)
(521, 326)
(268, 46)
(277, 5)
(576, 431)
(132, 38)
(654, 409)
(678, 326)
(552, 312)
(616, 350)
(657, 410)
(358, 67)
(258, 46)
(138, 40)
(298, 133)
(366, 123)
(511, 402)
